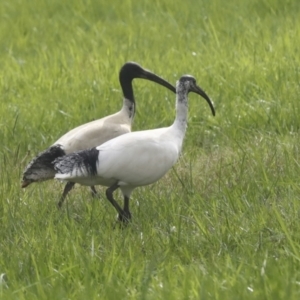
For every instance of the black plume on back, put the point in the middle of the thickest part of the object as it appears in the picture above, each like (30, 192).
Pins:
(84, 162)
(42, 165)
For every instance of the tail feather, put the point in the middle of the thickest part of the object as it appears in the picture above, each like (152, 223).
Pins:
(41, 168)
(78, 164)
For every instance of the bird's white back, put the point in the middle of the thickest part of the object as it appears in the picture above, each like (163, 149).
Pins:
(95, 133)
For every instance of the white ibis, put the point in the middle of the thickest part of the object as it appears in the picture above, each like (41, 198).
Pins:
(133, 159)
(94, 133)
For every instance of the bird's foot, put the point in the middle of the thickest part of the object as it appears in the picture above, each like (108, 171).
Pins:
(59, 204)
(94, 192)
(124, 217)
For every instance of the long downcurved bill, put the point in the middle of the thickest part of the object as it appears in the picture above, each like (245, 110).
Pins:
(152, 77)
(196, 89)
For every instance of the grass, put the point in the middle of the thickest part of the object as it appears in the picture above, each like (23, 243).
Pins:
(223, 224)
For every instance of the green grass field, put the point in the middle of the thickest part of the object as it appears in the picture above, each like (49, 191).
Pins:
(224, 222)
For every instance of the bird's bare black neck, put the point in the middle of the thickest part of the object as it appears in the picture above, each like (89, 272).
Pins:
(127, 89)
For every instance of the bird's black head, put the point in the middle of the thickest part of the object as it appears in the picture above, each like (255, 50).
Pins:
(131, 70)
(187, 83)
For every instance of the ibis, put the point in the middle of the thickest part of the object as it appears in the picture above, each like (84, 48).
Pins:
(133, 159)
(94, 133)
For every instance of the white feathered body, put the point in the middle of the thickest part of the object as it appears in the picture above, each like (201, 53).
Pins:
(133, 159)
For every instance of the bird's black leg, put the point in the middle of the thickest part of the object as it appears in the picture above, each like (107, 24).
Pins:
(125, 216)
(94, 192)
(67, 189)
(109, 195)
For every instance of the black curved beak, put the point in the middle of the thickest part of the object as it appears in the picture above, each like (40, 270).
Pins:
(196, 89)
(152, 77)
